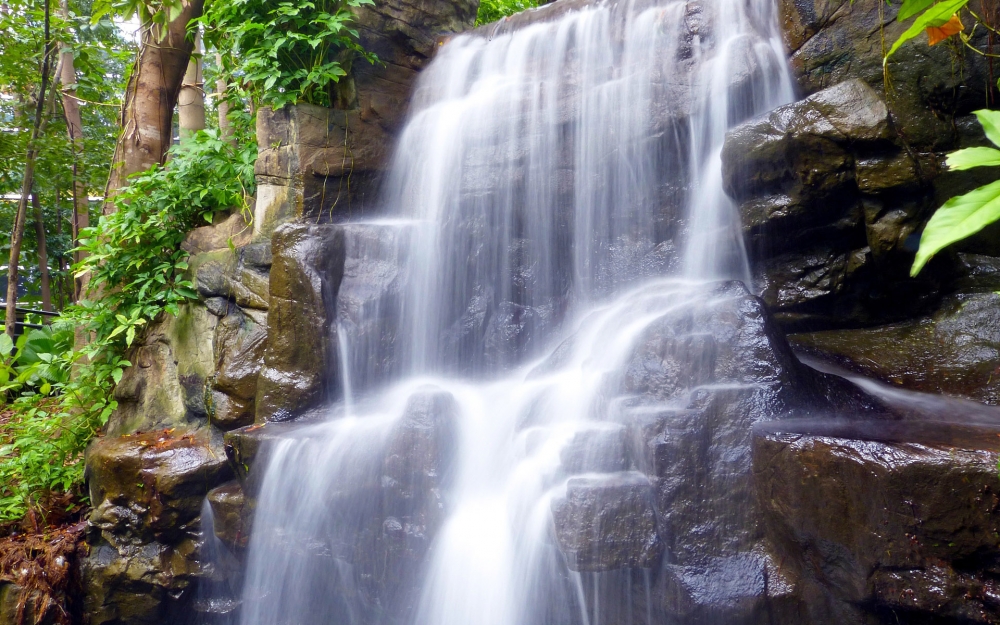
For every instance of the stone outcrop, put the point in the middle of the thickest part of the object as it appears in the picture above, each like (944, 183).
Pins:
(320, 163)
(147, 490)
(257, 346)
(299, 362)
(850, 210)
(833, 197)
(954, 351)
(879, 523)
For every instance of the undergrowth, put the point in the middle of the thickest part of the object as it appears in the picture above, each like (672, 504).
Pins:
(136, 272)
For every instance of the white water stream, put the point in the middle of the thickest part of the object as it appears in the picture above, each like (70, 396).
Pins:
(561, 190)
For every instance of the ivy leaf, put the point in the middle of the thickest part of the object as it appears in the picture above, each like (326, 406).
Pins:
(973, 157)
(6, 345)
(936, 16)
(958, 218)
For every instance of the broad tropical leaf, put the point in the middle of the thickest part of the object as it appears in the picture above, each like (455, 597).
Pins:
(911, 8)
(990, 121)
(958, 218)
(973, 157)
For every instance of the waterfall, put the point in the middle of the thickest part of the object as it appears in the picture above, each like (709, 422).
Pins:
(556, 190)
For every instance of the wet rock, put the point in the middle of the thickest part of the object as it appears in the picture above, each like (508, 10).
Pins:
(871, 526)
(221, 274)
(370, 300)
(695, 383)
(600, 449)
(240, 341)
(834, 41)
(607, 522)
(166, 386)
(802, 156)
(233, 515)
(954, 351)
(246, 446)
(320, 163)
(150, 486)
(299, 359)
(730, 589)
(147, 490)
(144, 584)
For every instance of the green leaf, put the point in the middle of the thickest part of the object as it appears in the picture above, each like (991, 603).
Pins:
(6, 343)
(973, 157)
(911, 8)
(937, 15)
(990, 121)
(958, 218)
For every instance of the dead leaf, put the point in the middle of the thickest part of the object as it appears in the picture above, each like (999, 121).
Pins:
(937, 34)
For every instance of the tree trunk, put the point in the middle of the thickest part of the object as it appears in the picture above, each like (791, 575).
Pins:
(60, 259)
(74, 128)
(225, 126)
(150, 97)
(43, 255)
(191, 101)
(17, 235)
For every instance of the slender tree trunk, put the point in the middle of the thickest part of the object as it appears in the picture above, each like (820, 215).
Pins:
(225, 126)
(150, 97)
(191, 100)
(74, 128)
(43, 255)
(17, 235)
(60, 259)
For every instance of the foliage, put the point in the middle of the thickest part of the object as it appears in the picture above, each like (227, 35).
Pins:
(35, 360)
(134, 257)
(493, 10)
(100, 59)
(964, 215)
(935, 16)
(285, 52)
(137, 268)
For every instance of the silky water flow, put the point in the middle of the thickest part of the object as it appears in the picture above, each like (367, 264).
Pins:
(555, 190)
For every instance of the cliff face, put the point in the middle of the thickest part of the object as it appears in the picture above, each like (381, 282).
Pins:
(833, 191)
(255, 346)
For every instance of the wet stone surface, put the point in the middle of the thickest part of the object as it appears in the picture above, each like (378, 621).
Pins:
(872, 527)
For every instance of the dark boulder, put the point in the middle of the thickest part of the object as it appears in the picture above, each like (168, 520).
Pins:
(874, 528)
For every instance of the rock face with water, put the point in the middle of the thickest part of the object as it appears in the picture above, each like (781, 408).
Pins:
(875, 530)
(832, 242)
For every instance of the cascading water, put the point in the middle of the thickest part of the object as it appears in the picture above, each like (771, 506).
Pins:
(557, 191)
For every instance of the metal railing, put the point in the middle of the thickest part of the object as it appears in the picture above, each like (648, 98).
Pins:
(22, 312)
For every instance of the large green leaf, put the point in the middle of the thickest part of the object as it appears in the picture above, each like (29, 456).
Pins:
(973, 157)
(911, 8)
(990, 121)
(937, 15)
(959, 217)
